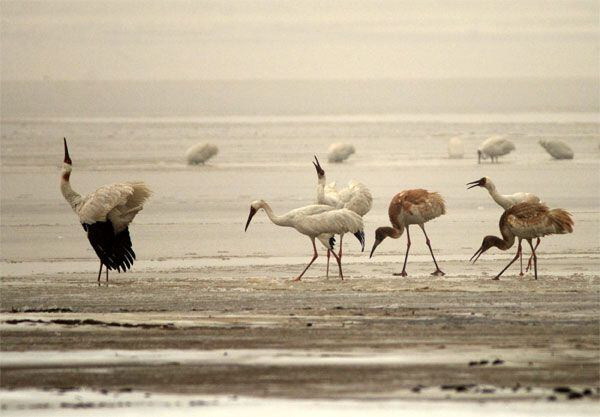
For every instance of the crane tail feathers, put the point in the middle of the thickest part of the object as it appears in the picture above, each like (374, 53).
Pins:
(114, 250)
(562, 221)
(360, 235)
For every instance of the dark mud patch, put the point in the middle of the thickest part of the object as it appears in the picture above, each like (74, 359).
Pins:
(93, 322)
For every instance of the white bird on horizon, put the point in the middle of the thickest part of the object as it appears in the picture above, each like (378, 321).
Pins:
(317, 221)
(456, 149)
(200, 153)
(408, 207)
(507, 201)
(339, 152)
(526, 221)
(356, 197)
(493, 148)
(105, 215)
(558, 149)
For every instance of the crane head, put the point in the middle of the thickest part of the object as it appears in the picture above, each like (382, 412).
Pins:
(479, 183)
(254, 207)
(317, 165)
(67, 158)
(487, 243)
(380, 234)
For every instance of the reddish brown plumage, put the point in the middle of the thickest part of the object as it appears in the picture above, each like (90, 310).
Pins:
(416, 202)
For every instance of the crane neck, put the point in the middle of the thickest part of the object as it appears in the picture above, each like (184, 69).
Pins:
(508, 238)
(321, 190)
(72, 197)
(501, 200)
(278, 220)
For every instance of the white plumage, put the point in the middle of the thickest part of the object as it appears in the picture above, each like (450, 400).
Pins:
(200, 153)
(505, 201)
(317, 221)
(456, 149)
(339, 152)
(356, 197)
(494, 147)
(105, 215)
(558, 149)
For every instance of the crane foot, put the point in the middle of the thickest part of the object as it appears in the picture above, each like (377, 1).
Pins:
(438, 273)
(401, 274)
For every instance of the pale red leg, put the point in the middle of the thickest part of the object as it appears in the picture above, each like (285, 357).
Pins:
(531, 256)
(100, 273)
(534, 257)
(438, 271)
(328, 256)
(521, 259)
(339, 262)
(403, 273)
(511, 262)
(315, 256)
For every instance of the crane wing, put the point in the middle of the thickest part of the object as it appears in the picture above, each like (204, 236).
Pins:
(118, 203)
(331, 222)
(357, 198)
(114, 250)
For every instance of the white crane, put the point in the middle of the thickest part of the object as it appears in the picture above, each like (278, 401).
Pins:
(200, 153)
(506, 202)
(558, 149)
(456, 149)
(408, 207)
(356, 197)
(339, 152)
(526, 221)
(494, 147)
(316, 221)
(105, 215)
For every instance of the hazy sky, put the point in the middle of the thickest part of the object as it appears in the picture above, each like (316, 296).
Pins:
(298, 39)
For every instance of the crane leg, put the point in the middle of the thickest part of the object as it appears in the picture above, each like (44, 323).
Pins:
(534, 257)
(339, 262)
(403, 273)
(315, 256)
(107, 277)
(340, 252)
(521, 259)
(511, 262)
(531, 256)
(100, 273)
(438, 272)
(328, 256)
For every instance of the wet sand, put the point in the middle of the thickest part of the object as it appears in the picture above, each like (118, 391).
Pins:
(370, 336)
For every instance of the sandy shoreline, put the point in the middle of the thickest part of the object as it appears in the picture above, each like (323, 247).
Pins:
(216, 332)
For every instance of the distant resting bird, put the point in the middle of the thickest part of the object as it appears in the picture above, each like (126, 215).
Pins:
(356, 197)
(456, 149)
(408, 207)
(105, 215)
(494, 147)
(506, 202)
(200, 153)
(557, 148)
(526, 221)
(316, 221)
(339, 152)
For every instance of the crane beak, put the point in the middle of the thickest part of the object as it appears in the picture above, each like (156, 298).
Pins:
(377, 242)
(477, 254)
(252, 213)
(478, 183)
(317, 165)
(67, 158)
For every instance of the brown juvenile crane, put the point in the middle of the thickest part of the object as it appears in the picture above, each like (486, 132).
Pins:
(408, 207)
(526, 221)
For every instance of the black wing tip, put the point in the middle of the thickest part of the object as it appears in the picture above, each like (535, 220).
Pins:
(331, 242)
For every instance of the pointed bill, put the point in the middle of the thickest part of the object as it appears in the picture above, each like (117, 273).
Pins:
(252, 213)
(67, 159)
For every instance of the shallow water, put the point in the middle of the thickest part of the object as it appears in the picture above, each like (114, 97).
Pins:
(198, 212)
